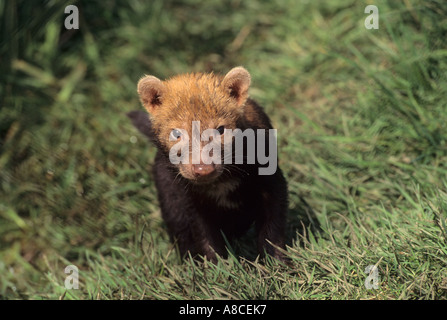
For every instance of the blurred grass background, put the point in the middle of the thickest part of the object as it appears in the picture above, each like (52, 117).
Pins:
(362, 126)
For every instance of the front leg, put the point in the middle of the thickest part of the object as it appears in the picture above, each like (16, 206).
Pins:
(271, 222)
(194, 236)
(208, 239)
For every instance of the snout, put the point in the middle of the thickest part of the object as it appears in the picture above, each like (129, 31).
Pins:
(201, 173)
(202, 170)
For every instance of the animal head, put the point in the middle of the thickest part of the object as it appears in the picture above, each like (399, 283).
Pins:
(186, 107)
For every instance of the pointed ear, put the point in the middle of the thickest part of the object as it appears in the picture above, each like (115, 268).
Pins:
(151, 91)
(237, 81)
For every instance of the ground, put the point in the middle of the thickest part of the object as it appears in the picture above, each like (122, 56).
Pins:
(361, 119)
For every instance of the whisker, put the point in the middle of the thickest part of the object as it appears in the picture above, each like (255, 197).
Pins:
(236, 168)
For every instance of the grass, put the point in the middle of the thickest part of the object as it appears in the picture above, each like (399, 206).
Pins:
(361, 118)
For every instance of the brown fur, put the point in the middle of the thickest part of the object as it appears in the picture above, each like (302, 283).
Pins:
(193, 97)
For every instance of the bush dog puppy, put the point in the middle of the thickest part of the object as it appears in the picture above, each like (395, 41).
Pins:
(216, 169)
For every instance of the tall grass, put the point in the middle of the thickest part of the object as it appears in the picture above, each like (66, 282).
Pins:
(361, 118)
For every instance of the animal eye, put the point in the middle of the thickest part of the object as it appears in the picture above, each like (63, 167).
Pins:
(221, 129)
(175, 134)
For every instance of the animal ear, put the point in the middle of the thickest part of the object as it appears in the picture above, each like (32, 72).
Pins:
(237, 81)
(150, 90)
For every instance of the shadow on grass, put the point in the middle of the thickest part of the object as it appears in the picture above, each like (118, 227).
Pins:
(301, 220)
